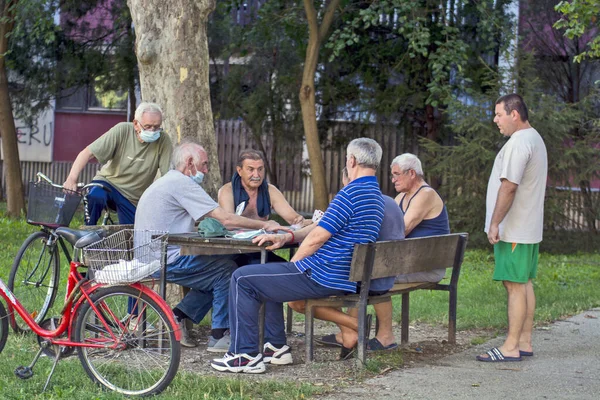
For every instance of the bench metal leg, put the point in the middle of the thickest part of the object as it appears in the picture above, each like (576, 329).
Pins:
(452, 316)
(405, 315)
(308, 331)
(362, 337)
(289, 319)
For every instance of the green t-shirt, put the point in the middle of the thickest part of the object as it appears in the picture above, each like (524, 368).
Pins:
(130, 166)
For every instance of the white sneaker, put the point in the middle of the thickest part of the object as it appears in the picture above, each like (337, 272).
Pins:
(277, 356)
(239, 363)
(185, 341)
(219, 345)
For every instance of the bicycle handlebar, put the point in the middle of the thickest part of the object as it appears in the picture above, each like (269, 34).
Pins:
(43, 177)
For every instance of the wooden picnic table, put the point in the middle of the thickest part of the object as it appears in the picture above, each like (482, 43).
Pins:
(192, 243)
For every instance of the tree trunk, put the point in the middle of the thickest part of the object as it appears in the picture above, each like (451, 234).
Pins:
(172, 53)
(132, 75)
(15, 202)
(317, 34)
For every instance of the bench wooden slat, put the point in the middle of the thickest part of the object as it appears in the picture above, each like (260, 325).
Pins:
(407, 256)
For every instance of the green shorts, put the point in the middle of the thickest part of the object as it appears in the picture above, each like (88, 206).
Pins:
(515, 262)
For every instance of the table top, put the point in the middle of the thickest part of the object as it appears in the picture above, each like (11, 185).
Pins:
(192, 244)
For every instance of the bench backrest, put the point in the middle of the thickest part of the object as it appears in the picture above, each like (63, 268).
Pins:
(398, 257)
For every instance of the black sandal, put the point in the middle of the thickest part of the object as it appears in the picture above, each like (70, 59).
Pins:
(346, 353)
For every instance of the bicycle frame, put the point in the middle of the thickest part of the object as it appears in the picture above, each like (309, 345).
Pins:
(86, 288)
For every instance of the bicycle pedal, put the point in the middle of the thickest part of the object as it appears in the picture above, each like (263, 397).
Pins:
(23, 372)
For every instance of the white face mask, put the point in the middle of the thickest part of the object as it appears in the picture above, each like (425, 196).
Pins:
(248, 234)
(149, 136)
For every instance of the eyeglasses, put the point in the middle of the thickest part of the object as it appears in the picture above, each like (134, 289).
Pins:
(151, 128)
(397, 176)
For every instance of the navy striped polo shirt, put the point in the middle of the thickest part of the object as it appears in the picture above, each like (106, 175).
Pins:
(353, 216)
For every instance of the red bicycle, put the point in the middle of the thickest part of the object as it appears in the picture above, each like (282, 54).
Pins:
(133, 353)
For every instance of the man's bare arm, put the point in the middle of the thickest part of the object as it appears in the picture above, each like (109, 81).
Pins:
(78, 165)
(225, 198)
(281, 206)
(420, 207)
(313, 242)
(506, 196)
(231, 221)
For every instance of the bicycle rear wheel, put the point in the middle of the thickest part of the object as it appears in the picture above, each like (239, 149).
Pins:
(34, 278)
(145, 354)
(3, 327)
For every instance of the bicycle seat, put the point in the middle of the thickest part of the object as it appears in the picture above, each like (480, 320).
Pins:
(81, 238)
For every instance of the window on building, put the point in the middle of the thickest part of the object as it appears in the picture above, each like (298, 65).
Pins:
(89, 98)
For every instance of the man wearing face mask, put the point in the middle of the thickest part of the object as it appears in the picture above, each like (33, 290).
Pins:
(174, 203)
(131, 153)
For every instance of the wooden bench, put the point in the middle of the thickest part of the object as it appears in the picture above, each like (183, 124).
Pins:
(392, 258)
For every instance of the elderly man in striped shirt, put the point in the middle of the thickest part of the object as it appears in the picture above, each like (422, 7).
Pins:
(320, 267)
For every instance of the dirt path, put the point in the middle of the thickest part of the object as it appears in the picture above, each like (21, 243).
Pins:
(427, 343)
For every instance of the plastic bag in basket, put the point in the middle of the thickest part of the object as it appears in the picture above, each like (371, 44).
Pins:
(126, 271)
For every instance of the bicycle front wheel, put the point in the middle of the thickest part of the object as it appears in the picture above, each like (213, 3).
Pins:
(136, 355)
(34, 278)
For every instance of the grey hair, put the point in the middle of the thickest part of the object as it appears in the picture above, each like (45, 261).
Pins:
(408, 161)
(144, 107)
(185, 149)
(367, 152)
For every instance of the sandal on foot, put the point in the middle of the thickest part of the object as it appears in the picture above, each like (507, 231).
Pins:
(526, 353)
(347, 353)
(375, 345)
(495, 355)
(328, 341)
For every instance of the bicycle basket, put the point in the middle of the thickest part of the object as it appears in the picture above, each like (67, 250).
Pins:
(126, 256)
(51, 206)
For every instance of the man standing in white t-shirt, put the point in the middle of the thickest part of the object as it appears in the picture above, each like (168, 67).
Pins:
(514, 222)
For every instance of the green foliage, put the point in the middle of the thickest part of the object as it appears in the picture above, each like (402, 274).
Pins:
(257, 73)
(409, 55)
(554, 53)
(47, 60)
(571, 138)
(581, 19)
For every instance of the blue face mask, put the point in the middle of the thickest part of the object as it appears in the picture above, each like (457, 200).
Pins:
(198, 178)
(149, 136)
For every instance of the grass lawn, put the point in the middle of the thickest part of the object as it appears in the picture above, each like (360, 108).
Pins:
(565, 285)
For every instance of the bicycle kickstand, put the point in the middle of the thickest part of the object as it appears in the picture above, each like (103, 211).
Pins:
(23, 372)
(56, 359)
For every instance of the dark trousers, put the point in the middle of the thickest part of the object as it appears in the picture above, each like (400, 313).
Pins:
(272, 283)
(99, 198)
